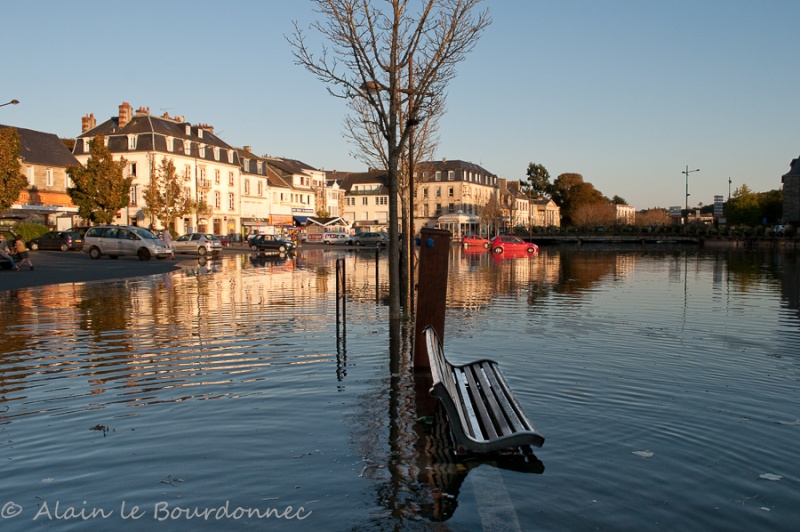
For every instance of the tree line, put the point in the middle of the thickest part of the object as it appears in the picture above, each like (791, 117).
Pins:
(583, 205)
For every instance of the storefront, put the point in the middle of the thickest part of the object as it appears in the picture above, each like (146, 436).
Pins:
(459, 224)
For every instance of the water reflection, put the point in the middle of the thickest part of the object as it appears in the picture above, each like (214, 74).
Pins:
(240, 360)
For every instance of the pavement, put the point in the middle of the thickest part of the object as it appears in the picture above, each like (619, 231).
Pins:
(57, 267)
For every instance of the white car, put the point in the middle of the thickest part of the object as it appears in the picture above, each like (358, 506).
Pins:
(336, 238)
(118, 240)
(200, 243)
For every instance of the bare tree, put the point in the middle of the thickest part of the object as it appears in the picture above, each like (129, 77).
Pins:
(371, 50)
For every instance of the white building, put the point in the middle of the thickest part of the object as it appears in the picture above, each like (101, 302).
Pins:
(209, 166)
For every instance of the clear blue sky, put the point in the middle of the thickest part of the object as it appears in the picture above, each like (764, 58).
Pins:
(626, 93)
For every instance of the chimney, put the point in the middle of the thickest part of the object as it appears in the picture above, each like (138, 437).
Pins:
(248, 149)
(125, 114)
(444, 161)
(88, 122)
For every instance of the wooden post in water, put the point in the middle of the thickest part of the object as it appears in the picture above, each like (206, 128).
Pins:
(434, 254)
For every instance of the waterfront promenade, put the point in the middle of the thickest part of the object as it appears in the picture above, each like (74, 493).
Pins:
(57, 267)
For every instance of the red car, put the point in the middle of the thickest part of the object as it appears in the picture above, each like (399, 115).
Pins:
(474, 241)
(504, 243)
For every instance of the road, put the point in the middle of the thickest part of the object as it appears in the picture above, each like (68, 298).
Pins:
(57, 267)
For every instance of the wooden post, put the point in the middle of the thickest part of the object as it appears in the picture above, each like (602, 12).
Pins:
(434, 254)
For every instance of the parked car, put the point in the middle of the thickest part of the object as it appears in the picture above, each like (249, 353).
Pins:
(200, 243)
(224, 240)
(336, 238)
(369, 239)
(118, 240)
(271, 242)
(63, 240)
(471, 240)
(503, 243)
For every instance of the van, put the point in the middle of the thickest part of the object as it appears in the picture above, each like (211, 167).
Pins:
(118, 240)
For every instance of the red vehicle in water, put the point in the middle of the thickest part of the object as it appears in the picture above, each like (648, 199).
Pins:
(474, 241)
(513, 244)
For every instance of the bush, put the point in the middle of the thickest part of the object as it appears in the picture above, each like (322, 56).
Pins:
(29, 230)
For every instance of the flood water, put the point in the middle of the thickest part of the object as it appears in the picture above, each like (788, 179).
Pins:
(225, 397)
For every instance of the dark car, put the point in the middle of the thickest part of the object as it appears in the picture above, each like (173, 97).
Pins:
(63, 240)
(271, 243)
(369, 239)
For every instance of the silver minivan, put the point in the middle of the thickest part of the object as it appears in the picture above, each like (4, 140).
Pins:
(118, 240)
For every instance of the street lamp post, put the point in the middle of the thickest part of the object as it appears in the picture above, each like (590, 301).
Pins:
(12, 102)
(686, 173)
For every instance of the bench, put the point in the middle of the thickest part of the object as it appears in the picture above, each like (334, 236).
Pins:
(484, 415)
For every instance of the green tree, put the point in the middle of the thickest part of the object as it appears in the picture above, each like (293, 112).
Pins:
(100, 189)
(743, 207)
(570, 191)
(12, 180)
(618, 200)
(538, 181)
(166, 198)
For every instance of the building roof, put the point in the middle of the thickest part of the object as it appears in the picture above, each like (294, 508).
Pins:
(456, 164)
(37, 147)
(373, 177)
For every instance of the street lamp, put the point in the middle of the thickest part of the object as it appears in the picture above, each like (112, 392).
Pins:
(12, 102)
(687, 172)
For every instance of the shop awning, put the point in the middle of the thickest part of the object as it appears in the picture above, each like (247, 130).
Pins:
(300, 219)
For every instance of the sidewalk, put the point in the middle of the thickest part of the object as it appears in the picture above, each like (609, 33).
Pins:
(57, 267)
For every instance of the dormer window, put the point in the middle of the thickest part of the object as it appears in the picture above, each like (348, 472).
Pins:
(131, 142)
(216, 154)
(187, 147)
(169, 143)
(202, 150)
(85, 146)
(230, 156)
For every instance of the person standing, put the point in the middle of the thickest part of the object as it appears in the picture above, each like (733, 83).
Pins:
(167, 237)
(6, 253)
(22, 253)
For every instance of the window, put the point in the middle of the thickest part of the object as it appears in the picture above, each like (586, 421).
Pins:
(451, 208)
(425, 192)
(451, 192)
(202, 172)
(381, 200)
(425, 210)
(202, 148)
(49, 173)
(216, 154)
(230, 201)
(230, 179)
(216, 176)
(30, 174)
(133, 195)
(187, 172)
(187, 147)
(438, 176)
(438, 209)
(201, 197)
(438, 192)
(131, 142)
(260, 188)
(169, 142)
(85, 145)
(132, 169)
(451, 174)
(217, 199)
(365, 201)
(247, 187)
(68, 182)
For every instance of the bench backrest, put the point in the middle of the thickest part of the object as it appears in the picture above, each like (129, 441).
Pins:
(441, 370)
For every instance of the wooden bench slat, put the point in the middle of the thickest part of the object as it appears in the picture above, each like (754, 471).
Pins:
(501, 393)
(487, 426)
